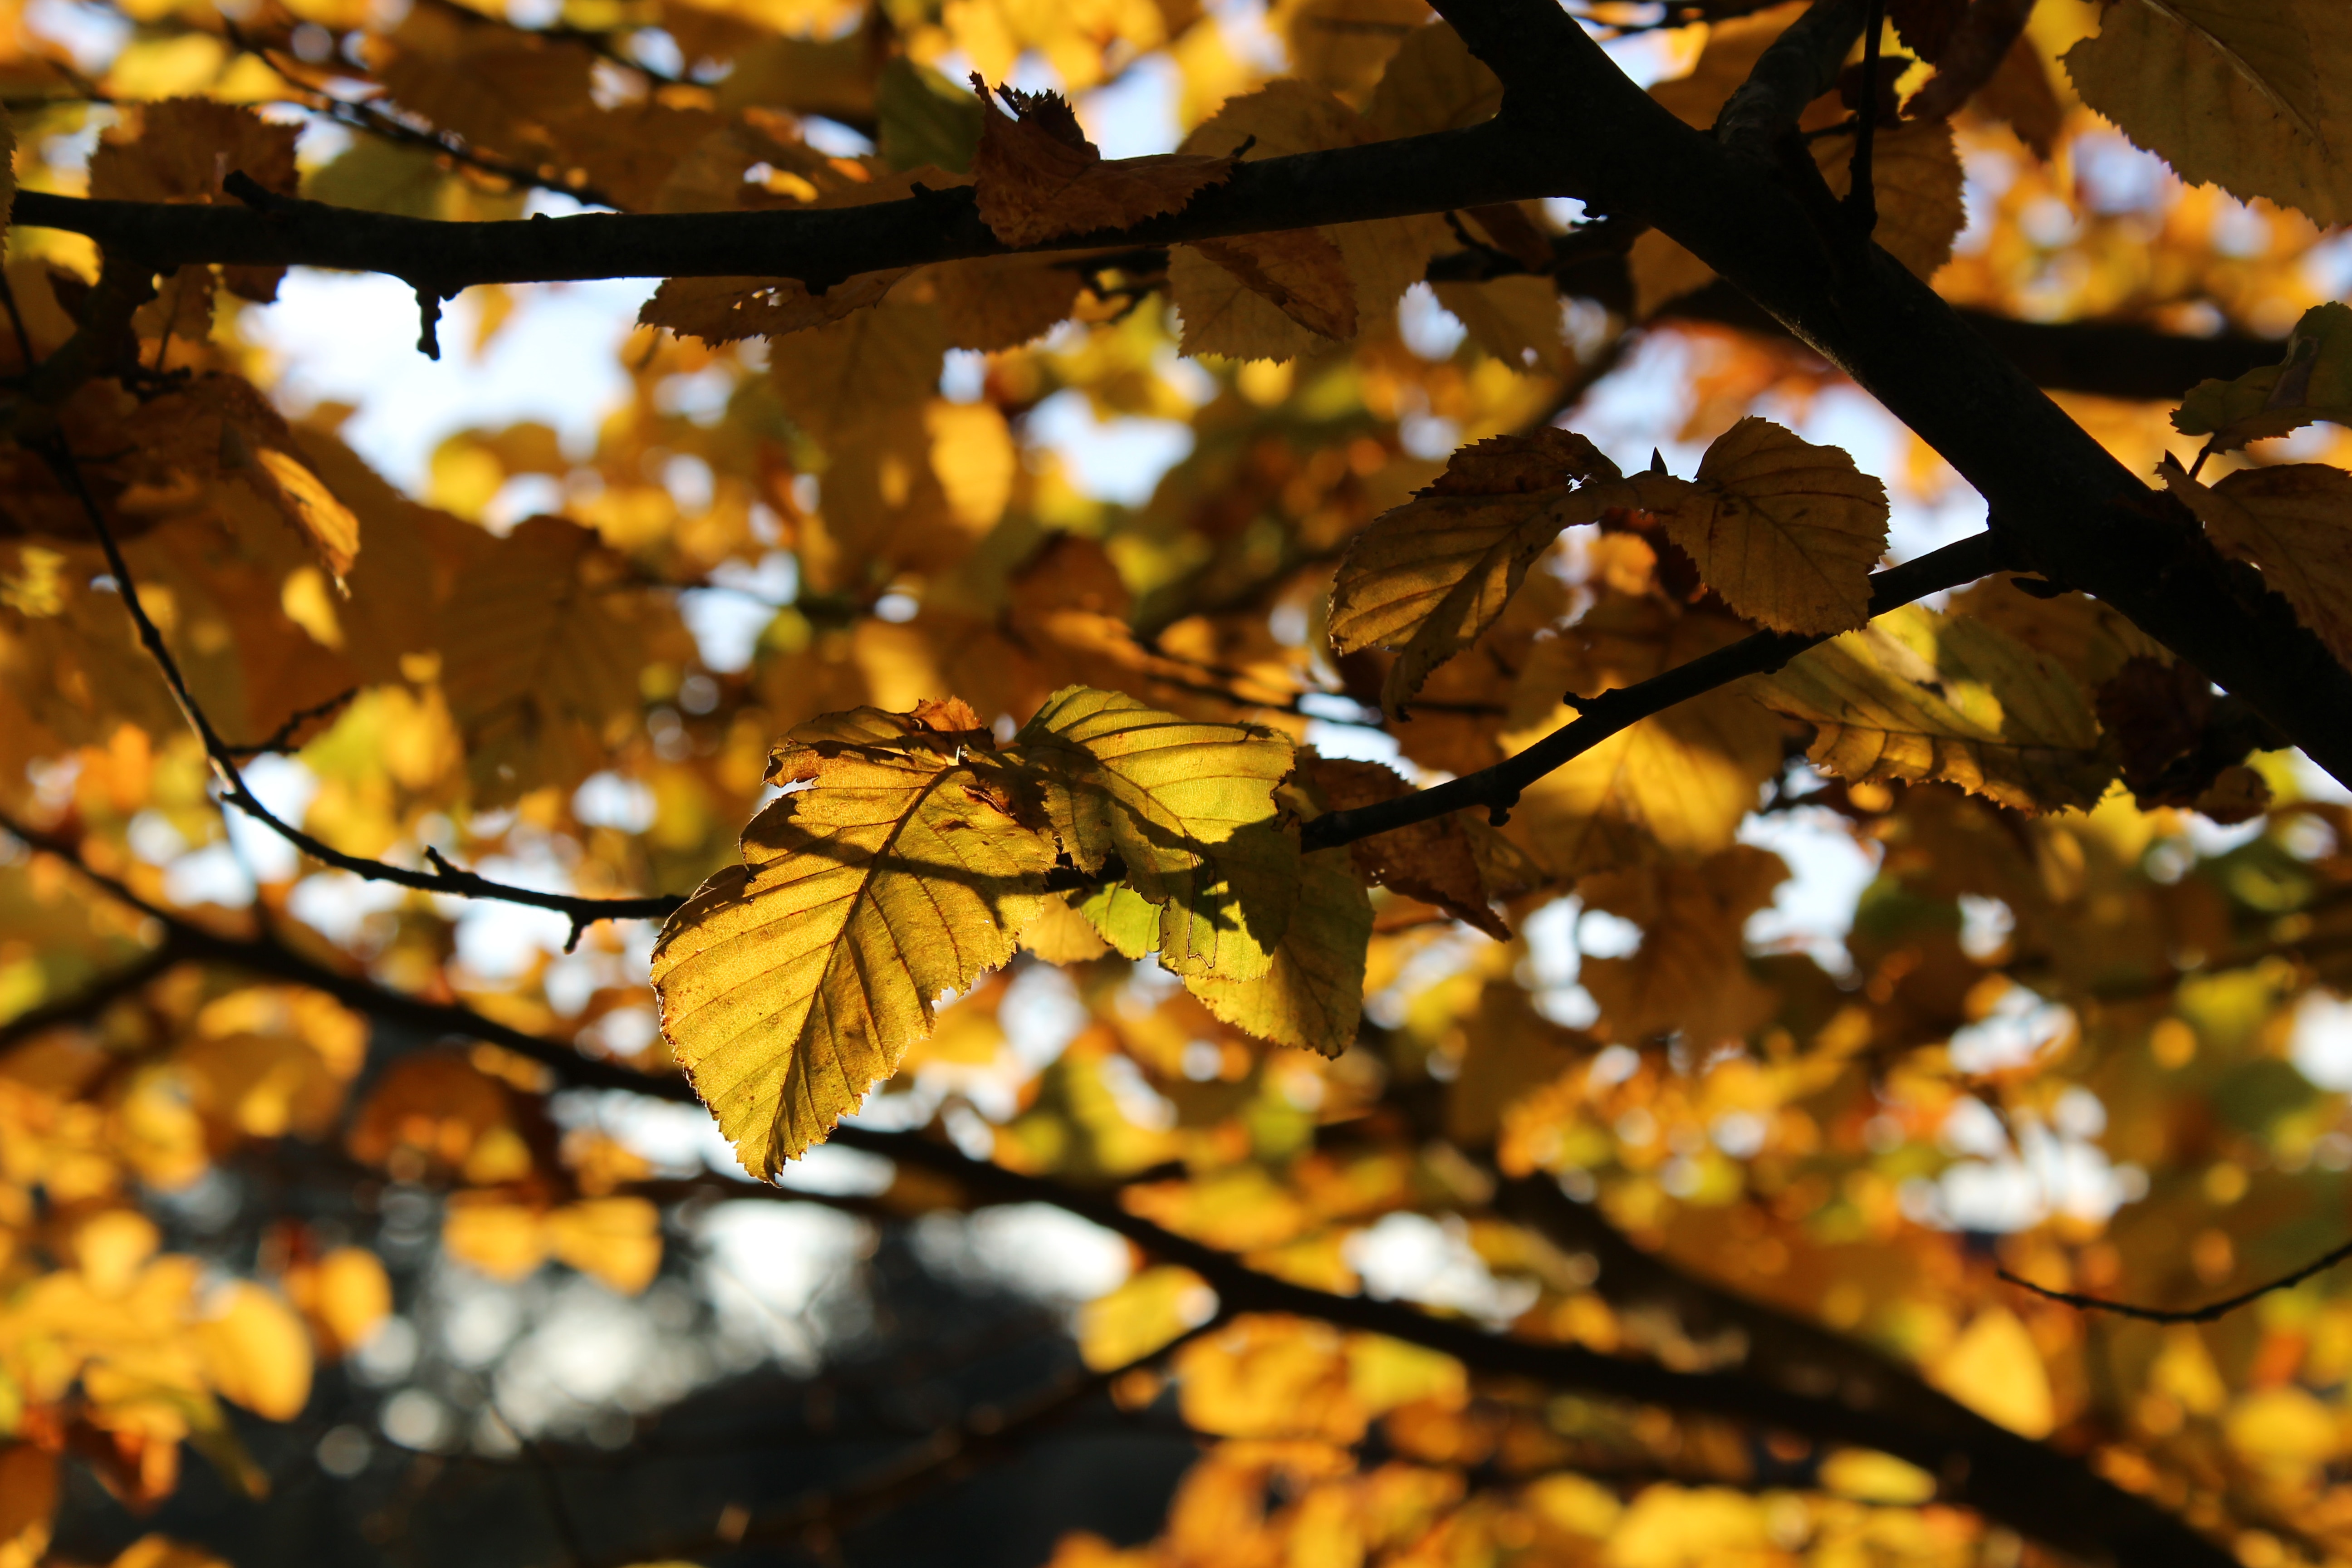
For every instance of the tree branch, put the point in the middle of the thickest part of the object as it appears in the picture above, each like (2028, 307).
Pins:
(2212, 1311)
(1498, 788)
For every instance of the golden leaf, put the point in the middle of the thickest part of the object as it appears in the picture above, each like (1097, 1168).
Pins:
(1676, 784)
(1039, 178)
(2294, 522)
(1140, 1316)
(616, 1240)
(1433, 83)
(1188, 809)
(28, 1501)
(1516, 319)
(728, 309)
(1733, 48)
(1920, 696)
(1342, 45)
(541, 656)
(350, 1296)
(1223, 315)
(257, 1352)
(1690, 973)
(1994, 1369)
(1432, 861)
(1311, 995)
(1429, 576)
(852, 372)
(2311, 382)
(1299, 271)
(1915, 179)
(2254, 98)
(1002, 302)
(1785, 531)
(905, 869)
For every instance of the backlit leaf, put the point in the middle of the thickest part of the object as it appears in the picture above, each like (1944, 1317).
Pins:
(1433, 861)
(905, 869)
(2255, 98)
(1785, 531)
(1427, 578)
(2294, 522)
(2311, 382)
(257, 1352)
(1299, 271)
(1919, 696)
(728, 309)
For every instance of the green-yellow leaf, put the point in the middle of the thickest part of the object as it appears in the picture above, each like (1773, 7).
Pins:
(1312, 995)
(1188, 810)
(1428, 577)
(2294, 522)
(2254, 95)
(1785, 531)
(1919, 696)
(908, 865)
(2313, 382)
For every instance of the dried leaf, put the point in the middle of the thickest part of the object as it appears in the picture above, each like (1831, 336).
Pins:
(1427, 578)
(1039, 178)
(1433, 861)
(728, 310)
(2294, 522)
(2256, 99)
(906, 868)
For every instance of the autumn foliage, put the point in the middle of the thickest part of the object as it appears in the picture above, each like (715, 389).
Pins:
(1621, 988)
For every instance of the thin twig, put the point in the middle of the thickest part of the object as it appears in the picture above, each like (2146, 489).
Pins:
(1862, 194)
(280, 737)
(2211, 1311)
(444, 878)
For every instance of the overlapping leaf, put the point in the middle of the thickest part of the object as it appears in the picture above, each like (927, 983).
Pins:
(1427, 578)
(2255, 98)
(1919, 696)
(2294, 522)
(1039, 177)
(789, 983)
(2311, 382)
(1187, 809)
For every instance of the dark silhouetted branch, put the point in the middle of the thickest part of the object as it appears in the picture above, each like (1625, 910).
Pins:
(2212, 1311)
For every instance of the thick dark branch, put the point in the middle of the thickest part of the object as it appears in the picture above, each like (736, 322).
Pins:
(1498, 788)
(1450, 169)
(94, 998)
(2212, 1311)
(1801, 64)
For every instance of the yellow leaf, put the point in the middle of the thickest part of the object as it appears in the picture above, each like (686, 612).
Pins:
(1143, 1314)
(836, 378)
(1223, 315)
(616, 1240)
(502, 1239)
(1867, 1476)
(1668, 1527)
(2313, 381)
(1785, 531)
(1676, 784)
(350, 1295)
(1994, 1369)
(1429, 576)
(1301, 271)
(1920, 696)
(1038, 176)
(1188, 809)
(790, 983)
(1060, 934)
(2282, 1428)
(1915, 179)
(2294, 522)
(257, 1352)
(1690, 973)
(2255, 98)
(1662, 272)
(1269, 1377)
(1311, 996)
(1433, 83)
(1732, 50)
(111, 1246)
(542, 650)
(1002, 302)
(331, 526)
(1342, 45)
(972, 455)
(728, 309)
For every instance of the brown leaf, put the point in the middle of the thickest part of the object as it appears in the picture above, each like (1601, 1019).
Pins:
(1966, 58)
(1299, 269)
(2290, 520)
(181, 150)
(1039, 178)
(1928, 26)
(2019, 91)
(728, 310)
(1002, 302)
(1432, 861)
